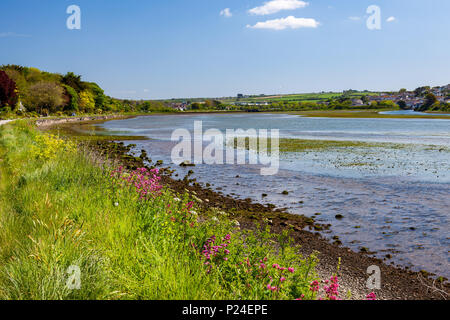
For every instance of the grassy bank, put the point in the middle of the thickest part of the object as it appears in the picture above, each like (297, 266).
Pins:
(61, 210)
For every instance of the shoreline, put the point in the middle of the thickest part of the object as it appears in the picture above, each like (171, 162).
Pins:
(345, 113)
(397, 282)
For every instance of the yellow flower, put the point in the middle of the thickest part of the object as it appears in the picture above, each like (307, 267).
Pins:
(48, 146)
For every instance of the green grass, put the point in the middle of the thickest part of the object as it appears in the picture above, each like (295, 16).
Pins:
(305, 97)
(66, 210)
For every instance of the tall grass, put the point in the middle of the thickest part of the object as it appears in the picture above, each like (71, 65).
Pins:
(58, 208)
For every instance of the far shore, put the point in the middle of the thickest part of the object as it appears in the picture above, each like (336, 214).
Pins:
(361, 113)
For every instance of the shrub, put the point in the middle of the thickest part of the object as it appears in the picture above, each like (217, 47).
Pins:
(87, 102)
(72, 104)
(44, 95)
(8, 90)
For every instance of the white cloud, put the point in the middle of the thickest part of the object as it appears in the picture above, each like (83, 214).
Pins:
(226, 13)
(355, 18)
(275, 6)
(391, 19)
(13, 35)
(284, 23)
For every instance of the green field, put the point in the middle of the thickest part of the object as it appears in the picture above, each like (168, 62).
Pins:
(304, 97)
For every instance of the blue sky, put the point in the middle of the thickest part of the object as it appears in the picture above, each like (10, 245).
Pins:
(148, 49)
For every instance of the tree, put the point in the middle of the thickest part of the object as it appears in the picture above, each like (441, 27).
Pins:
(72, 97)
(195, 106)
(212, 104)
(430, 100)
(8, 90)
(365, 99)
(87, 102)
(421, 91)
(19, 79)
(402, 105)
(44, 96)
(99, 94)
(73, 80)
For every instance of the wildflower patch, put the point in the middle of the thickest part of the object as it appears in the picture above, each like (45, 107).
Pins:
(48, 146)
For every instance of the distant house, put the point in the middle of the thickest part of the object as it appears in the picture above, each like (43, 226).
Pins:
(179, 106)
(414, 103)
(375, 98)
(357, 102)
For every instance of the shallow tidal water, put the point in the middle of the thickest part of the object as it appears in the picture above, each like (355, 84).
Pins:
(395, 198)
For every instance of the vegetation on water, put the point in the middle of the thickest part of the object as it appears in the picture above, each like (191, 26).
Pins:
(302, 145)
(131, 237)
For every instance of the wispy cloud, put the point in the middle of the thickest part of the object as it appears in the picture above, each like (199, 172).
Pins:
(275, 6)
(285, 23)
(354, 18)
(391, 19)
(125, 92)
(226, 13)
(13, 35)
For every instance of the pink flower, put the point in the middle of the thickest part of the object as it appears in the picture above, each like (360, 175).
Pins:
(371, 296)
(271, 288)
(314, 286)
(291, 270)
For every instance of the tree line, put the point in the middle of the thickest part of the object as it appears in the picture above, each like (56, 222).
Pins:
(32, 92)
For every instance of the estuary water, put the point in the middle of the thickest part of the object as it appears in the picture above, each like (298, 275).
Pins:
(394, 195)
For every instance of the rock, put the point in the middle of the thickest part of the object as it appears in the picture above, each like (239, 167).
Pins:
(318, 227)
(187, 164)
